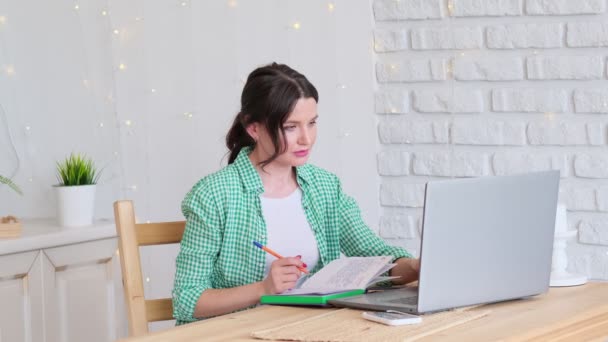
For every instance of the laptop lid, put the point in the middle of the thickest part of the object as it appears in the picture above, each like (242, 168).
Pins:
(486, 239)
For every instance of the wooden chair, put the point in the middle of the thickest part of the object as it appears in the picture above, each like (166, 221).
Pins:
(131, 235)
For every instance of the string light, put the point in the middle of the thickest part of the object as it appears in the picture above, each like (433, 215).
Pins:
(450, 7)
(2, 19)
(101, 124)
(341, 86)
(104, 13)
(76, 7)
(116, 31)
(30, 179)
(138, 19)
(128, 122)
(184, 4)
(10, 70)
(85, 83)
(549, 116)
(28, 128)
(147, 279)
(122, 66)
(450, 68)
(331, 7)
(188, 115)
(153, 90)
(232, 3)
(296, 25)
(133, 187)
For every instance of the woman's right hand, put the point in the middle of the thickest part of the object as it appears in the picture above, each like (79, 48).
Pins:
(283, 275)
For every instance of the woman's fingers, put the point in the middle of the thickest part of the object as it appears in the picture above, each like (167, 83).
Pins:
(284, 274)
(290, 261)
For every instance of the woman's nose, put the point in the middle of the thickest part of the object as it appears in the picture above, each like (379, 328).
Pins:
(304, 137)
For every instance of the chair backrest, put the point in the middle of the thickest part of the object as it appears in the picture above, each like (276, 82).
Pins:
(131, 236)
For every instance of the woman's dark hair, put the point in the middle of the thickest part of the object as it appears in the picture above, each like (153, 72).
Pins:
(269, 96)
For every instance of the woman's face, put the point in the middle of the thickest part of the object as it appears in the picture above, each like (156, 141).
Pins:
(300, 135)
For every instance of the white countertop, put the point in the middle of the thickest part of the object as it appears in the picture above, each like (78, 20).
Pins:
(45, 233)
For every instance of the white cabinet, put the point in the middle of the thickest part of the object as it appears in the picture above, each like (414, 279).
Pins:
(58, 286)
(21, 297)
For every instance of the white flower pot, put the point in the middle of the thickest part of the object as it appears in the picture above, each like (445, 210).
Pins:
(75, 205)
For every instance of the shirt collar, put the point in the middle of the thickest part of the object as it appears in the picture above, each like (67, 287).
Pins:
(250, 177)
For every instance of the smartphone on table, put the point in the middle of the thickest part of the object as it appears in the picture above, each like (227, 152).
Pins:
(391, 317)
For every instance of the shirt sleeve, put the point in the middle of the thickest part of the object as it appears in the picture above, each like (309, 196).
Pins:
(356, 238)
(199, 248)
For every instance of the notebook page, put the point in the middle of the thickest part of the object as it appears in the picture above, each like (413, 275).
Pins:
(347, 273)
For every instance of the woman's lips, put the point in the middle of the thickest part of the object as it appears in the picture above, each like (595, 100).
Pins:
(301, 153)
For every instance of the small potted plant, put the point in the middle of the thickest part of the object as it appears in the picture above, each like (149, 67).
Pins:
(77, 176)
(10, 227)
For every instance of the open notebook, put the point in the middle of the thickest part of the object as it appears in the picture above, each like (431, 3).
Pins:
(340, 278)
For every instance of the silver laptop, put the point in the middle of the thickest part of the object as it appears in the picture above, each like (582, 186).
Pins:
(484, 240)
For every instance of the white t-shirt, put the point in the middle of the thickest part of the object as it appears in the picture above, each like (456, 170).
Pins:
(288, 230)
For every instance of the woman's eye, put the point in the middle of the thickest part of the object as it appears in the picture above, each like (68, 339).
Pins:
(289, 128)
(313, 122)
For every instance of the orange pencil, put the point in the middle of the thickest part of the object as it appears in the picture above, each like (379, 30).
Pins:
(275, 254)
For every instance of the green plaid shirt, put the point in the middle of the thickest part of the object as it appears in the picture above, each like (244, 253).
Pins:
(224, 216)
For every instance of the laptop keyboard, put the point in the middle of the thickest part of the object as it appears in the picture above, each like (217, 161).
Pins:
(405, 300)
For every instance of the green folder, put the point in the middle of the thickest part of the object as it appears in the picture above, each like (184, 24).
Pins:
(317, 300)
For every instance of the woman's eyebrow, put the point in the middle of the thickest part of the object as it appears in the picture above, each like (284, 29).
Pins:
(293, 121)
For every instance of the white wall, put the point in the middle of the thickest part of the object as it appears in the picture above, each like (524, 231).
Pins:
(149, 88)
(474, 88)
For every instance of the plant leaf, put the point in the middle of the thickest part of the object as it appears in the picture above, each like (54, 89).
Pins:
(77, 169)
(11, 184)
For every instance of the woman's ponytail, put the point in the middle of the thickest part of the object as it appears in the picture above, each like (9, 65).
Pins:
(237, 138)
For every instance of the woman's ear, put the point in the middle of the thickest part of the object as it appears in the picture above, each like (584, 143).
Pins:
(253, 129)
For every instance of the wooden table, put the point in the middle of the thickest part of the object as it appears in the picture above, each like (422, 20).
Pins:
(563, 314)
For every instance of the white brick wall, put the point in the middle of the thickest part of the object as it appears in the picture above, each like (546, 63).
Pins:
(494, 87)
(434, 38)
(565, 68)
(489, 69)
(586, 34)
(529, 100)
(471, 8)
(591, 100)
(412, 70)
(517, 36)
(560, 7)
(448, 100)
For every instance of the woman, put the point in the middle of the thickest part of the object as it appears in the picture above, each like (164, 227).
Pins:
(269, 194)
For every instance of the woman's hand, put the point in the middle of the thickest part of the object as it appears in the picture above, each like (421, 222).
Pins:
(408, 269)
(283, 275)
